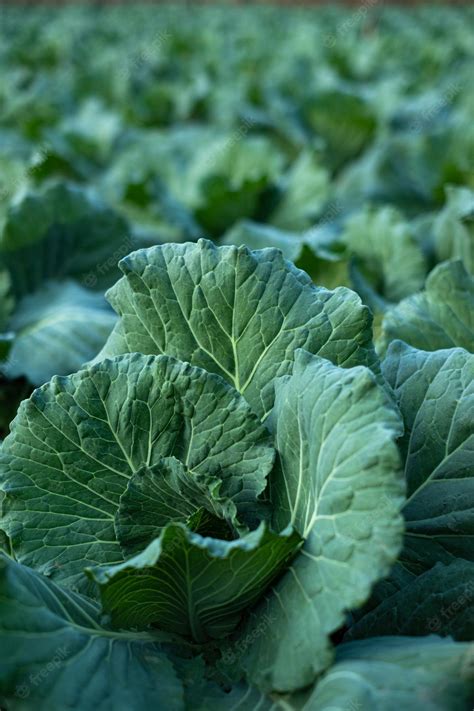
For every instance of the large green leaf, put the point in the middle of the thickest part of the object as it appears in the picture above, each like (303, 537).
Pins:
(168, 492)
(442, 316)
(234, 312)
(440, 600)
(56, 330)
(62, 232)
(191, 585)
(435, 394)
(339, 485)
(77, 441)
(56, 654)
(389, 673)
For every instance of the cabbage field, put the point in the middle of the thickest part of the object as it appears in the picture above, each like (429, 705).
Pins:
(236, 358)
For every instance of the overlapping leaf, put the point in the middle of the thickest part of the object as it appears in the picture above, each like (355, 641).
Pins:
(440, 601)
(56, 654)
(435, 394)
(339, 485)
(170, 492)
(234, 312)
(442, 316)
(56, 330)
(191, 585)
(75, 444)
(397, 672)
(202, 694)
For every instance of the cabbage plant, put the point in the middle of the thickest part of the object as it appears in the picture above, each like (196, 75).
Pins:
(191, 517)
